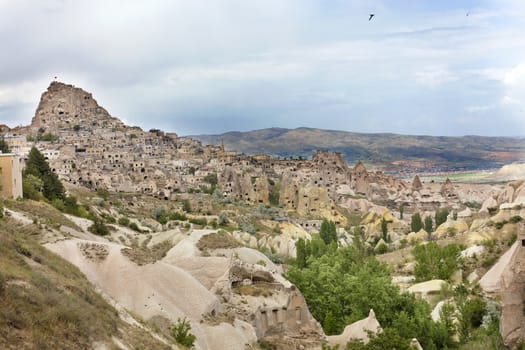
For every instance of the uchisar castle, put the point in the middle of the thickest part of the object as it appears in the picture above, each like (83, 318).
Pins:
(230, 219)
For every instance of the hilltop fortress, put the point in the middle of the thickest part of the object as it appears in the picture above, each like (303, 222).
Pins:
(86, 146)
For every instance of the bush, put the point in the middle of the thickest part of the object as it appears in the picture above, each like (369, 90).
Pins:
(181, 333)
(160, 214)
(515, 219)
(223, 219)
(248, 227)
(382, 248)
(103, 193)
(134, 227)
(1, 211)
(199, 221)
(123, 221)
(99, 228)
(500, 224)
(178, 216)
(473, 205)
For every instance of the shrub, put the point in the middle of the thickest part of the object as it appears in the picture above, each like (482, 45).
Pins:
(515, 219)
(160, 214)
(473, 205)
(1, 211)
(180, 331)
(500, 224)
(103, 193)
(199, 221)
(223, 219)
(178, 216)
(123, 221)
(99, 228)
(248, 227)
(186, 206)
(382, 248)
(134, 227)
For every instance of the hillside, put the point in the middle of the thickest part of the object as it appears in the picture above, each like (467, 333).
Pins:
(47, 303)
(392, 151)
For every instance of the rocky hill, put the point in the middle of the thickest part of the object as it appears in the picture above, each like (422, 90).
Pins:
(389, 151)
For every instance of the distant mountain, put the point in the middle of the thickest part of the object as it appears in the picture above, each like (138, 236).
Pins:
(389, 151)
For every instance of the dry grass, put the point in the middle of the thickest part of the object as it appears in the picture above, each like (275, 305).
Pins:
(94, 251)
(143, 255)
(41, 212)
(255, 290)
(219, 240)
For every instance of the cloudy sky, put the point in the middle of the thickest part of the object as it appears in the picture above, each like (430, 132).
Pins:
(446, 67)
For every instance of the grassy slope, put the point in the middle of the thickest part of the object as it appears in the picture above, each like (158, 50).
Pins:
(47, 303)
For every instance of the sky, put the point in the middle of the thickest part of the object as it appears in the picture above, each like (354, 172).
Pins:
(447, 67)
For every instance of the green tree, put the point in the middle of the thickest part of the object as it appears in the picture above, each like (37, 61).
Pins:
(344, 285)
(4, 147)
(328, 231)
(32, 187)
(37, 166)
(435, 262)
(330, 324)
(300, 247)
(428, 224)
(384, 229)
(180, 332)
(440, 216)
(416, 224)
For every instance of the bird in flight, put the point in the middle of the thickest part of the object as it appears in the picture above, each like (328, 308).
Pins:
(371, 15)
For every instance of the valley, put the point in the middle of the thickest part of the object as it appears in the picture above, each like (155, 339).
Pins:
(278, 239)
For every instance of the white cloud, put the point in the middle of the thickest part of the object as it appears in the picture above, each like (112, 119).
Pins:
(516, 76)
(434, 77)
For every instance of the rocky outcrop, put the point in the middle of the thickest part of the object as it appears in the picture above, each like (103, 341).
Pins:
(66, 106)
(506, 279)
(447, 190)
(356, 331)
(416, 184)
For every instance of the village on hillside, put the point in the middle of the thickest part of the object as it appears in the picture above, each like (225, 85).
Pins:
(226, 240)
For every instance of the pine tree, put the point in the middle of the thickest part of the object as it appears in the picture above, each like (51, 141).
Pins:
(416, 224)
(37, 166)
(428, 224)
(384, 229)
(4, 147)
(328, 231)
(300, 247)
(441, 216)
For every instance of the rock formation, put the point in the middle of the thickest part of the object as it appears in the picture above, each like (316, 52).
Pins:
(506, 279)
(356, 331)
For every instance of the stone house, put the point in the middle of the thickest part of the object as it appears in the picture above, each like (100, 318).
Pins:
(10, 176)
